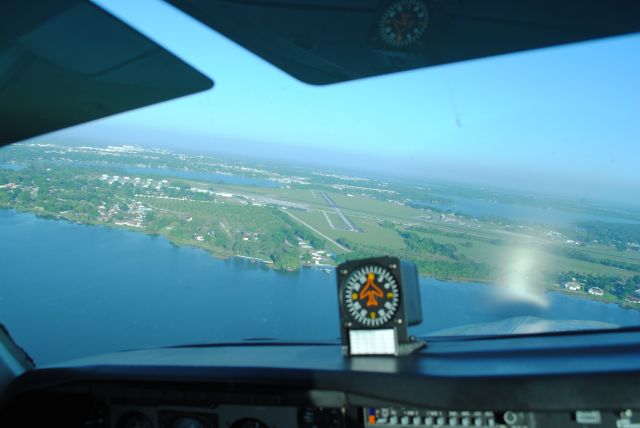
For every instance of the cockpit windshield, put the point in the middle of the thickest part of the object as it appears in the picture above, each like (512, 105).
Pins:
(511, 182)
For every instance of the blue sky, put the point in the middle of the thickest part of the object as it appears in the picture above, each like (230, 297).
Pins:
(564, 119)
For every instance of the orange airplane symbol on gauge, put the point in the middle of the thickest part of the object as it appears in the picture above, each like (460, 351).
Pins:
(371, 291)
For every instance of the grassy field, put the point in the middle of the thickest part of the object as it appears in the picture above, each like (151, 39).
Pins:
(370, 206)
(372, 234)
(611, 253)
(368, 214)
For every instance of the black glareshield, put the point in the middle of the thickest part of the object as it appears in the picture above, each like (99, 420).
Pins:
(378, 294)
(329, 41)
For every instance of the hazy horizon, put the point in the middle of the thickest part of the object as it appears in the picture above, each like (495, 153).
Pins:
(306, 163)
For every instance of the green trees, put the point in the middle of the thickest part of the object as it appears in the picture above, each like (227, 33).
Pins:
(24, 197)
(618, 235)
(432, 258)
(427, 245)
(576, 254)
(5, 199)
(285, 259)
(150, 217)
(616, 287)
(295, 230)
(222, 240)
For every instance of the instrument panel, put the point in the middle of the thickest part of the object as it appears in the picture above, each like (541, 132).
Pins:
(114, 406)
(390, 417)
(586, 380)
(398, 417)
(227, 416)
(240, 416)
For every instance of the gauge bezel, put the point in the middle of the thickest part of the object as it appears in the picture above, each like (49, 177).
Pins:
(375, 340)
(422, 27)
(343, 298)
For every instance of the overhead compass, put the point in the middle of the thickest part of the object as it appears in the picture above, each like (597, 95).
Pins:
(404, 23)
(371, 296)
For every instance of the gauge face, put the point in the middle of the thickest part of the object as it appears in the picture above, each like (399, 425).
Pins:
(404, 23)
(371, 295)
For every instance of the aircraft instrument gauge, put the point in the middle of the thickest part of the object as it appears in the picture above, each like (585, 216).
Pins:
(371, 295)
(379, 298)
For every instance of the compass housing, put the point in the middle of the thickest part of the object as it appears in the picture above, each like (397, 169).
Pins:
(403, 24)
(379, 298)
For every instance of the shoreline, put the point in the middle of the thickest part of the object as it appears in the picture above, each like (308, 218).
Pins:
(222, 255)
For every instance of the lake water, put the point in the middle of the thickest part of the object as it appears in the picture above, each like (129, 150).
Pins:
(203, 176)
(68, 290)
(166, 172)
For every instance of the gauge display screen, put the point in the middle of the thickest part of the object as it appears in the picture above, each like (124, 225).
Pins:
(371, 295)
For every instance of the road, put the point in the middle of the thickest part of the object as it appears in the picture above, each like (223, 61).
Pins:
(318, 232)
(350, 226)
(328, 220)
